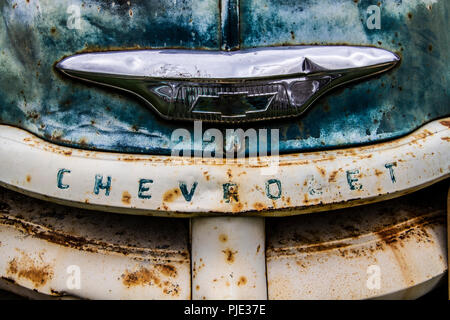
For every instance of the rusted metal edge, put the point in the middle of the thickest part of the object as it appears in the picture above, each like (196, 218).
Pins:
(183, 187)
(57, 270)
(389, 234)
(11, 286)
(59, 251)
(91, 245)
(400, 253)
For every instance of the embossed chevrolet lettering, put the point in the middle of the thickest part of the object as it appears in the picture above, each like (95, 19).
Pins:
(247, 85)
(273, 187)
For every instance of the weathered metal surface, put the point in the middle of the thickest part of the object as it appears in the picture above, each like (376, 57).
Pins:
(45, 247)
(35, 35)
(228, 258)
(448, 234)
(180, 186)
(394, 249)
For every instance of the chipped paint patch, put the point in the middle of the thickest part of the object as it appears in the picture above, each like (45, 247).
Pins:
(33, 270)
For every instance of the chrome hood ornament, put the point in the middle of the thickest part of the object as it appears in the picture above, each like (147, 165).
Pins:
(219, 86)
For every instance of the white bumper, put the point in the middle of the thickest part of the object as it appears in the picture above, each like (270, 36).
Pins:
(162, 185)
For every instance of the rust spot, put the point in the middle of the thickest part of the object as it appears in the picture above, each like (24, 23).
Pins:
(139, 278)
(33, 115)
(167, 269)
(259, 206)
(445, 123)
(83, 141)
(229, 255)
(144, 276)
(258, 248)
(237, 207)
(322, 171)
(126, 197)
(197, 287)
(67, 153)
(378, 172)
(410, 15)
(12, 269)
(171, 195)
(242, 281)
(28, 269)
(430, 47)
(128, 159)
(223, 238)
(446, 139)
(28, 178)
(332, 177)
(229, 174)
(368, 156)
(305, 198)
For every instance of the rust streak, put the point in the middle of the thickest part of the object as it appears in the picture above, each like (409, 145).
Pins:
(28, 269)
(229, 255)
(242, 281)
(171, 195)
(126, 197)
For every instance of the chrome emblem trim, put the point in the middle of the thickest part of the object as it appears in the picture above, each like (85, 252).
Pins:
(219, 86)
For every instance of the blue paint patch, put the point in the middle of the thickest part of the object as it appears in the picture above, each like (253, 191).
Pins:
(230, 192)
(100, 185)
(59, 178)
(188, 194)
(36, 98)
(143, 189)
(391, 166)
(269, 193)
(352, 180)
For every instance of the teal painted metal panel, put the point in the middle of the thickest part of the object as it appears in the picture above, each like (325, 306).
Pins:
(35, 34)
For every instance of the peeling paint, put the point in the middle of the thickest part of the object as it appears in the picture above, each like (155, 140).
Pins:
(75, 115)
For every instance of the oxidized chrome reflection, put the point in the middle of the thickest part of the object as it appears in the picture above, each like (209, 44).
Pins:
(247, 85)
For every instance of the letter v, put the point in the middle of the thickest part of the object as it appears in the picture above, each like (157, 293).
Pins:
(187, 195)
